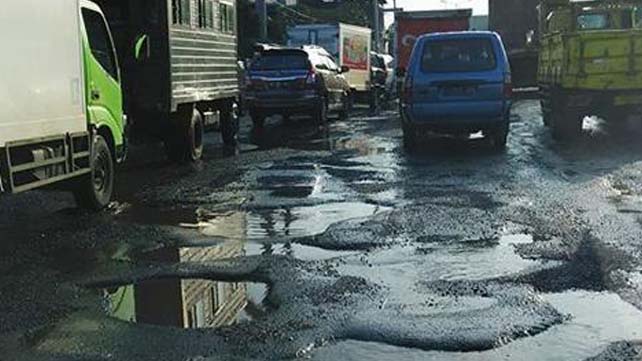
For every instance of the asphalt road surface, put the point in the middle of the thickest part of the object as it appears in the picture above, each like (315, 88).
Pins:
(337, 244)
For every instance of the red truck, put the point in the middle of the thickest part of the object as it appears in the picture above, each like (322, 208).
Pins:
(412, 24)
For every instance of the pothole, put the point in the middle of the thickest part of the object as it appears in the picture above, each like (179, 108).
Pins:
(187, 303)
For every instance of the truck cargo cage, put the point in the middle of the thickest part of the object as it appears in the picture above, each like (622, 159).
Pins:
(34, 163)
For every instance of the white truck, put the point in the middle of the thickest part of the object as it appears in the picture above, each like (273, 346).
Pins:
(61, 115)
(350, 46)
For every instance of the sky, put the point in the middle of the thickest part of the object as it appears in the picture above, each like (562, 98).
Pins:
(480, 7)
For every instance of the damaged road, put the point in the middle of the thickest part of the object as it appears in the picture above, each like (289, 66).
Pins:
(338, 244)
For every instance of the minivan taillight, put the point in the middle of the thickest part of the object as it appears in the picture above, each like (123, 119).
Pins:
(508, 85)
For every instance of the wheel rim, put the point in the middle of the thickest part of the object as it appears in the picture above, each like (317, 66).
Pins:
(198, 134)
(101, 173)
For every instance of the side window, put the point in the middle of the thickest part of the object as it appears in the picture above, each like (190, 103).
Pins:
(206, 14)
(637, 17)
(331, 64)
(227, 20)
(181, 12)
(100, 42)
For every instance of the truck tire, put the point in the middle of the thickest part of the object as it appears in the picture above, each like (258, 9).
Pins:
(94, 191)
(567, 125)
(320, 114)
(230, 125)
(185, 143)
(258, 119)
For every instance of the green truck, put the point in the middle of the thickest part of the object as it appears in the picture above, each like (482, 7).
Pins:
(73, 69)
(590, 62)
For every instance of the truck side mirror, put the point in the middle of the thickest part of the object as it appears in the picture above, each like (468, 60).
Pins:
(345, 69)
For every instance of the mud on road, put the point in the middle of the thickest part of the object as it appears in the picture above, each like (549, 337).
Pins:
(335, 244)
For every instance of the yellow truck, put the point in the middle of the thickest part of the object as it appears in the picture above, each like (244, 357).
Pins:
(590, 62)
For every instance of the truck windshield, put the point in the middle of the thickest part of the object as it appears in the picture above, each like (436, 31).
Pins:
(594, 21)
(281, 61)
(461, 55)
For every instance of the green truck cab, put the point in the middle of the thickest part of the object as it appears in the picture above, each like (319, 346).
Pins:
(62, 123)
(590, 62)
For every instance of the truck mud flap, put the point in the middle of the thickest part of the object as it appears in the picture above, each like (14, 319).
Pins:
(35, 163)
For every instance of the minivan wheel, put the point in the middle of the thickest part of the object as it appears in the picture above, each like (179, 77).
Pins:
(320, 115)
(409, 138)
(94, 191)
(499, 136)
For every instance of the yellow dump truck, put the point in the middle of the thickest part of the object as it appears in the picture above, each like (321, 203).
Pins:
(590, 62)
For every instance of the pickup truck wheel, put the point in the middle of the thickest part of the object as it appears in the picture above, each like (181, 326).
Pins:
(230, 125)
(94, 191)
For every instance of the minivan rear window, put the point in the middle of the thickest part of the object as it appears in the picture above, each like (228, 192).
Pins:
(458, 55)
(281, 61)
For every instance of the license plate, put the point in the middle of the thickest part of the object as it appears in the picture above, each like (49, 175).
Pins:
(459, 91)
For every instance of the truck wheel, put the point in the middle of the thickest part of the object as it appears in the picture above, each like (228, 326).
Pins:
(94, 191)
(567, 125)
(185, 143)
(546, 118)
(320, 115)
(230, 125)
(258, 119)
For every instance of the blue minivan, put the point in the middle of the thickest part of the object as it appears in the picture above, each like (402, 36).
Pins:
(458, 84)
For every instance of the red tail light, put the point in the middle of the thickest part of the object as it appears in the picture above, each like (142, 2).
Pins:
(508, 85)
(311, 79)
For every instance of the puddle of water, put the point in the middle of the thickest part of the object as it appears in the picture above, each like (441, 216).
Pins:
(187, 303)
(402, 268)
(304, 221)
(298, 251)
(596, 320)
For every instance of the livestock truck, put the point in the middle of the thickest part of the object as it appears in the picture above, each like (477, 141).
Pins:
(350, 46)
(179, 69)
(517, 22)
(64, 91)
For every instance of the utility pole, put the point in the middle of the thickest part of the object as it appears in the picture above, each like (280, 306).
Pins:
(376, 26)
(261, 10)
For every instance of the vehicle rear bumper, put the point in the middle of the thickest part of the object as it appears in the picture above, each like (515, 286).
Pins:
(290, 103)
(464, 118)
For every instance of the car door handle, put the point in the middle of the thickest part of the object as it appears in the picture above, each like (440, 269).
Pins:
(95, 94)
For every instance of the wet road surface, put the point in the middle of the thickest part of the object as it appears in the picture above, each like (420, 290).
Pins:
(337, 244)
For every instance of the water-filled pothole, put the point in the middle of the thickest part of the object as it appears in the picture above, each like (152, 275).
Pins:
(187, 303)
(595, 321)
